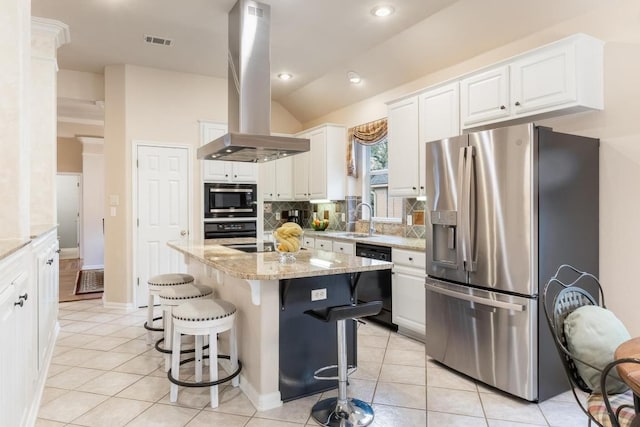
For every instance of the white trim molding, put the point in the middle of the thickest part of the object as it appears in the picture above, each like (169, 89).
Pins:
(58, 29)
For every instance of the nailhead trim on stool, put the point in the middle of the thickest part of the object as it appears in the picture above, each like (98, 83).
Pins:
(204, 317)
(200, 311)
(171, 297)
(155, 285)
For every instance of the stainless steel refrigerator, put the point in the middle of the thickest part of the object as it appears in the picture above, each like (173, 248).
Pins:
(505, 208)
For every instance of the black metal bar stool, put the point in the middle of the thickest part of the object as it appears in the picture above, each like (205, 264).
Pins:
(341, 411)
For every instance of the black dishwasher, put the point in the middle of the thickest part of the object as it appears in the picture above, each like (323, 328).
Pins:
(376, 285)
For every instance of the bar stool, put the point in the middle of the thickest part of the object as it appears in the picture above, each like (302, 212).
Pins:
(341, 411)
(204, 317)
(171, 297)
(156, 284)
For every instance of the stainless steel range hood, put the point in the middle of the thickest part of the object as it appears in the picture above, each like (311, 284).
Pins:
(249, 91)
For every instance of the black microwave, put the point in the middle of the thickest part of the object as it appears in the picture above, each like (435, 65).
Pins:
(230, 200)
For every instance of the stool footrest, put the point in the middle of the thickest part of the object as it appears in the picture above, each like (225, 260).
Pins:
(350, 370)
(151, 328)
(185, 351)
(207, 383)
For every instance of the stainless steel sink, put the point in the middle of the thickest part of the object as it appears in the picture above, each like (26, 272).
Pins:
(352, 235)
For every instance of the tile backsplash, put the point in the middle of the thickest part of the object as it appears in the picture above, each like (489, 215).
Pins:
(335, 211)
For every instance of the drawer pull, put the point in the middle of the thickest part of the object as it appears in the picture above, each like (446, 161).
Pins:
(50, 261)
(24, 297)
(410, 258)
(20, 303)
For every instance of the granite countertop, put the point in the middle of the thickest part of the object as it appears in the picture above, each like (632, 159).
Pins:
(267, 266)
(10, 246)
(397, 242)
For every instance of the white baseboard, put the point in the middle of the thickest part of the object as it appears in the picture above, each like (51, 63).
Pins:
(262, 402)
(42, 379)
(129, 306)
(93, 267)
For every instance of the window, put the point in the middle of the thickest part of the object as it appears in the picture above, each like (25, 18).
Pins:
(376, 183)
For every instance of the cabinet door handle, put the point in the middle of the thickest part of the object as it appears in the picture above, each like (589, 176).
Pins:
(517, 103)
(414, 188)
(58, 251)
(50, 261)
(410, 258)
(235, 176)
(278, 194)
(20, 303)
(226, 175)
(24, 297)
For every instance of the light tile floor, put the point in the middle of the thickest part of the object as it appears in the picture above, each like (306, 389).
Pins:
(104, 374)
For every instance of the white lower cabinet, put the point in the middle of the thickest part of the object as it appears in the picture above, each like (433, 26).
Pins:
(407, 292)
(46, 268)
(28, 316)
(18, 334)
(344, 247)
(308, 242)
(324, 244)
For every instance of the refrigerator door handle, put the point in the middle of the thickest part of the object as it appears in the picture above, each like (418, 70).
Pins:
(476, 299)
(465, 207)
(462, 214)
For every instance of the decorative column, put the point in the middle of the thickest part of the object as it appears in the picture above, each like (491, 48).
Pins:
(47, 36)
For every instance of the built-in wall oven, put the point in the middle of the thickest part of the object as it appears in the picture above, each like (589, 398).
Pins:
(230, 200)
(230, 210)
(218, 229)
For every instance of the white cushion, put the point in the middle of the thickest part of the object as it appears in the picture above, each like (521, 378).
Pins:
(593, 334)
(170, 279)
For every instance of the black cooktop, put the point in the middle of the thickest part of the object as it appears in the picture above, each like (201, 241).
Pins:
(252, 247)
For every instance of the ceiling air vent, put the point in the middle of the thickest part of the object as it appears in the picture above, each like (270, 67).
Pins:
(158, 40)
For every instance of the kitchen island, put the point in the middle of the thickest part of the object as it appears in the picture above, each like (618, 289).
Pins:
(278, 344)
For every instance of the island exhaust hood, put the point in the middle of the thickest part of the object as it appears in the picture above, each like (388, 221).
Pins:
(249, 92)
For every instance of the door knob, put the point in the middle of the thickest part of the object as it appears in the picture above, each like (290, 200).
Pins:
(183, 233)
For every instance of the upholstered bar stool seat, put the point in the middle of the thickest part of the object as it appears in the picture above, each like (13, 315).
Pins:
(342, 411)
(170, 297)
(156, 284)
(204, 317)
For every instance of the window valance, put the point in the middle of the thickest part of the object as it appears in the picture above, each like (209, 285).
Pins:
(370, 133)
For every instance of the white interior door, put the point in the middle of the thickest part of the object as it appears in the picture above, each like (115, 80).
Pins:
(163, 212)
(68, 207)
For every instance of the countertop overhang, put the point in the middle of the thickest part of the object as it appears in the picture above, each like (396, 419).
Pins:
(267, 266)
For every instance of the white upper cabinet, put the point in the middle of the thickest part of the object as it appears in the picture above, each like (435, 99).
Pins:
(560, 78)
(220, 170)
(545, 79)
(439, 112)
(320, 174)
(275, 179)
(485, 96)
(403, 148)
(301, 175)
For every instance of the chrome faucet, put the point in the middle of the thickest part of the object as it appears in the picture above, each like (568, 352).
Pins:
(371, 228)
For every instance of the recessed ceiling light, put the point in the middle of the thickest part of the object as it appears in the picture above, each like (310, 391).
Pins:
(285, 76)
(354, 77)
(382, 11)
